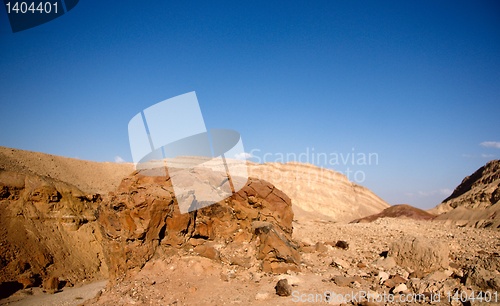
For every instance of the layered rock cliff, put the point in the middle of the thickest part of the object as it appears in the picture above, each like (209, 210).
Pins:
(475, 202)
(319, 193)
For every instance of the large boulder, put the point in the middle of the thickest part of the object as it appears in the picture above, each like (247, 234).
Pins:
(420, 254)
(141, 219)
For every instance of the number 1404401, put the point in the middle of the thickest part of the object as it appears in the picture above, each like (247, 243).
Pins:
(17, 7)
(477, 296)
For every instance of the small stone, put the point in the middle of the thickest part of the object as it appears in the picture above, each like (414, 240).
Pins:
(382, 277)
(398, 279)
(51, 284)
(390, 283)
(341, 244)
(341, 281)
(399, 288)
(339, 263)
(394, 281)
(283, 288)
(448, 272)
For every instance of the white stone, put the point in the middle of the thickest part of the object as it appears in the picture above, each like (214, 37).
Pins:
(382, 277)
(400, 288)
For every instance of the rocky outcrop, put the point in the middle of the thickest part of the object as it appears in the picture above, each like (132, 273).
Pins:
(319, 193)
(475, 201)
(477, 191)
(141, 219)
(47, 231)
(398, 211)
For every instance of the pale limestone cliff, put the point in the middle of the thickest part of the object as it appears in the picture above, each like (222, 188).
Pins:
(319, 193)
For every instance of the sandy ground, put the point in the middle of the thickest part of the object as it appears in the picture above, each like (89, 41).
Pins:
(67, 297)
(186, 279)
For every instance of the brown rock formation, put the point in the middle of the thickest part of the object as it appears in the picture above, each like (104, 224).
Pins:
(142, 219)
(47, 227)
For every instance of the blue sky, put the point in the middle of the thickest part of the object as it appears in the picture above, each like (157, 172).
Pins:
(415, 82)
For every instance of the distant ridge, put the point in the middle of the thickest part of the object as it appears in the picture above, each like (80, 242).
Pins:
(319, 193)
(316, 193)
(475, 202)
(398, 211)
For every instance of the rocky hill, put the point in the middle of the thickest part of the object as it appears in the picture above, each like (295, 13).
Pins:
(319, 193)
(475, 201)
(89, 177)
(398, 211)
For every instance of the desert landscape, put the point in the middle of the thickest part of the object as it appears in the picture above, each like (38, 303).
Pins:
(76, 232)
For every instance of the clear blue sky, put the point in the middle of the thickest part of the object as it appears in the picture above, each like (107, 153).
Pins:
(416, 82)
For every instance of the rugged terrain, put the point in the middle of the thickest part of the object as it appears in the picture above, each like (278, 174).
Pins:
(410, 259)
(61, 226)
